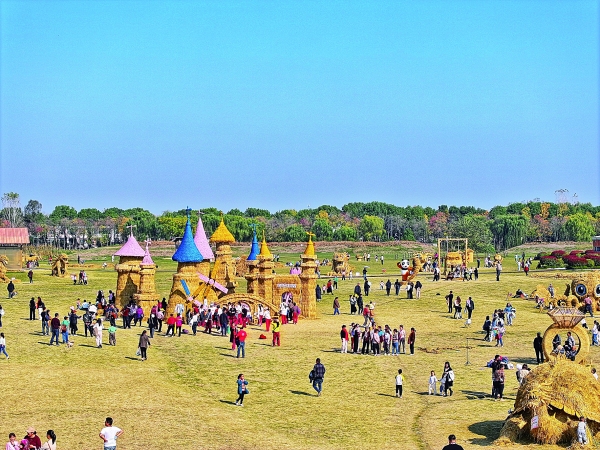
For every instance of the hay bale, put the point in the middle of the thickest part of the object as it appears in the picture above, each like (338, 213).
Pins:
(558, 393)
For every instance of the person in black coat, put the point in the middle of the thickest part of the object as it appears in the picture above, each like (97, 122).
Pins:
(366, 287)
(388, 287)
(537, 346)
(318, 293)
(32, 308)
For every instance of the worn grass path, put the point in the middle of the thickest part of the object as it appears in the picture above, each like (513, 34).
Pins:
(182, 397)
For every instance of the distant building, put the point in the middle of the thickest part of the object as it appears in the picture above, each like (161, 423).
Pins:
(596, 243)
(11, 245)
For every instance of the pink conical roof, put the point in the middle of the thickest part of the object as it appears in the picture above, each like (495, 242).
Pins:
(202, 242)
(147, 261)
(131, 248)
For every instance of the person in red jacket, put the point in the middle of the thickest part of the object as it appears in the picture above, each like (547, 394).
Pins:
(241, 342)
(344, 335)
(171, 325)
(411, 340)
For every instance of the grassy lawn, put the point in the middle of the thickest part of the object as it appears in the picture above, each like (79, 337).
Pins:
(183, 395)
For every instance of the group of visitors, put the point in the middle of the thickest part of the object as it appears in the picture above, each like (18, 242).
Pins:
(377, 340)
(31, 440)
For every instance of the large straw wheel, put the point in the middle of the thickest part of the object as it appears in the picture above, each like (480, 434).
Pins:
(578, 330)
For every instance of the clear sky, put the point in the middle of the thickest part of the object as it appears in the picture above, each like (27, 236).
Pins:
(281, 105)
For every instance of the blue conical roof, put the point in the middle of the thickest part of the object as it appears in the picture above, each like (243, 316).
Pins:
(187, 251)
(254, 250)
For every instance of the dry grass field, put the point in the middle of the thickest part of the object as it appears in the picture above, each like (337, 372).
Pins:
(183, 395)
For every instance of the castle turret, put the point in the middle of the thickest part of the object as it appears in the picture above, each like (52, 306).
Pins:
(146, 296)
(265, 274)
(308, 280)
(204, 248)
(188, 258)
(225, 270)
(252, 265)
(128, 269)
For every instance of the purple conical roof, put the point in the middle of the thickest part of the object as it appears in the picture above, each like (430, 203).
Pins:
(202, 242)
(131, 248)
(147, 261)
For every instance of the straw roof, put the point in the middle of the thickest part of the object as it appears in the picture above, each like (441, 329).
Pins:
(310, 246)
(264, 249)
(222, 234)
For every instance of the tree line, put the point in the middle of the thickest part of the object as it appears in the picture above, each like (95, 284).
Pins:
(499, 228)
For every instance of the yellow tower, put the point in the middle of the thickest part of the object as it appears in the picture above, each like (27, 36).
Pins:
(226, 269)
(128, 269)
(146, 296)
(308, 277)
(264, 278)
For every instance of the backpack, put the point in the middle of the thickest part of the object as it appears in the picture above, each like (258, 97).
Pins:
(63, 328)
(311, 376)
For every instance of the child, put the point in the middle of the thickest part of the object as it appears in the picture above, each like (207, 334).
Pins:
(582, 431)
(12, 443)
(432, 383)
(112, 335)
(399, 382)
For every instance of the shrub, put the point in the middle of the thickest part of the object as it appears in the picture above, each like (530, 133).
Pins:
(550, 262)
(575, 262)
(590, 262)
(577, 253)
(558, 253)
(540, 255)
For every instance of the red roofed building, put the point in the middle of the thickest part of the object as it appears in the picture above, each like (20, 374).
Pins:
(11, 245)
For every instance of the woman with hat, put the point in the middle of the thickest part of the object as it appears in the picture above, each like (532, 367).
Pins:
(32, 438)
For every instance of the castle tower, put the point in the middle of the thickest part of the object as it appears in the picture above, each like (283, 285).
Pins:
(128, 269)
(146, 296)
(252, 265)
(265, 274)
(189, 260)
(308, 277)
(204, 247)
(225, 269)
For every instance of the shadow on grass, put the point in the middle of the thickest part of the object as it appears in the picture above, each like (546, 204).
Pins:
(133, 358)
(479, 395)
(333, 350)
(386, 395)
(87, 345)
(228, 402)
(489, 429)
(45, 343)
(229, 355)
(302, 393)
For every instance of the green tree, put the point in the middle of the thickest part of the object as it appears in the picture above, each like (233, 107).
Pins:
(476, 230)
(11, 210)
(371, 228)
(112, 213)
(62, 212)
(344, 233)
(33, 212)
(295, 233)
(257, 212)
(509, 230)
(89, 214)
(235, 212)
(322, 229)
(579, 227)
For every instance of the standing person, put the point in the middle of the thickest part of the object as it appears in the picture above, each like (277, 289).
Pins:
(55, 327)
(318, 294)
(498, 270)
(143, 344)
(450, 301)
(487, 327)
(469, 306)
(397, 286)
(241, 389)
(582, 431)
(112, 335)
(45, 317)
(344, 336)
(476, 273)
(498, 381)
(30, 276)
(267, 315)
(318, 373)
(170, 325)
(3, 345)
(64, 329)
(402, 339)
(276, 333)
(109, 434)
(418, 287)
(366, 287)
(336, 306)
(241, 342)
(73, 317)
(409, 290)
(411, 340)
(388, 287)
(432, 383)
(452, 445)
(153, 324)
(448, 377)
(98, 333)
(537, 346)
(360, 304)
(178, 323)
(10, 287)
(399, 382)
(32, 308)
(352, 305)
(1, 315)
(50, 444)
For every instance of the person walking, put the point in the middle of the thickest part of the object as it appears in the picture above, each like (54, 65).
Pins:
(277, 332)
(109, 434)
(318, 374)
(418, 287)
(397, 286)
(10, 287)
(412, 336)
(3, 345)
(97, 330)
(399, 383)
(537, 346)
(1, 315)
(448, 379)
(336, 306)
(344, 336)
(469, 306)
(450, 301)
(242, 389)
(143, 344)
(498, 270)
(30, 276)
(112, 335)
(241, 342)
(388, 287)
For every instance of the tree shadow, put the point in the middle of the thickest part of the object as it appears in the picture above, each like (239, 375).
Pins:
(489, 430)
(301, 393)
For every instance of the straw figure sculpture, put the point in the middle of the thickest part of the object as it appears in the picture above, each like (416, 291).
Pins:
(581, 286)
(340, 263)
(3, 265)
(60, 265)
(558, 393)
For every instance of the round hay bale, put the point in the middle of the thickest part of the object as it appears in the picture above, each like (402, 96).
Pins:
(558, 393)
(577, 331)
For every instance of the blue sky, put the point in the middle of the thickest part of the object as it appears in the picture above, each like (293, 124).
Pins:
(287, 104)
